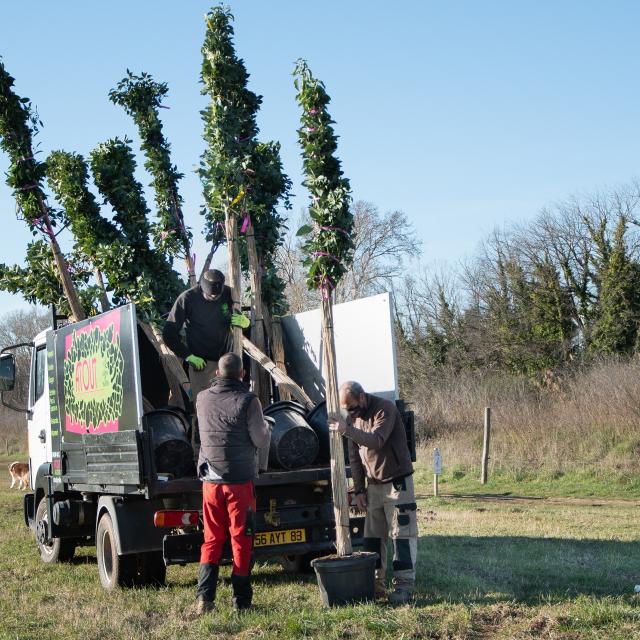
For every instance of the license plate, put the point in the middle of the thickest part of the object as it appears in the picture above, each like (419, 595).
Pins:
(288, 536)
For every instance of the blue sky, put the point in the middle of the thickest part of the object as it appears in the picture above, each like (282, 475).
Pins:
(465, 115)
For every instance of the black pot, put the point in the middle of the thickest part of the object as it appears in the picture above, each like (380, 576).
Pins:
(317, 418)
(294, 444)
(172, 450)
(347, 579)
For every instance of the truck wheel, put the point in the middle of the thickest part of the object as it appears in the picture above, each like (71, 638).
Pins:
(298, 564)
(59, 549)
(115, 570)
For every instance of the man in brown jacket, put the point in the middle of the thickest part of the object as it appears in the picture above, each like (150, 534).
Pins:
(378, 451)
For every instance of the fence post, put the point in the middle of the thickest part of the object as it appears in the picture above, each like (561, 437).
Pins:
(485, 446)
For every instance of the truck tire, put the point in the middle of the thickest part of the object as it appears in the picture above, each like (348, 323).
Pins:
(115, 570)
(59, 549)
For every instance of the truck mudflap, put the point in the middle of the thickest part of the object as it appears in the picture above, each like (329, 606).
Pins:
(185, 548)
(29, 506)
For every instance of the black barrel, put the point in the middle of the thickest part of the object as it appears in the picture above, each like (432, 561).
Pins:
(172, 451)
(294, 444)
(317, 418)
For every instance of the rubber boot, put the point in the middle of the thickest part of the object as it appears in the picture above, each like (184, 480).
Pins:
(207, 583)
(242, 591)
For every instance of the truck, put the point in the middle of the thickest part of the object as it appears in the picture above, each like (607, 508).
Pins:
(111, 462)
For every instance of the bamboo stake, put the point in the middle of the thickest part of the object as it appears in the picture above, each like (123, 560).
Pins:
(231, 228)
(277, 350)
(282, 379)
(338, 473)
(259, 377)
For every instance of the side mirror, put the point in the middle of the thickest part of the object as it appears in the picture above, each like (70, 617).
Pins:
(7, 372)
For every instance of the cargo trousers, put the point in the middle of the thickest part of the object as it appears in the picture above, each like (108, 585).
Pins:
(228, 511)
(391, 513)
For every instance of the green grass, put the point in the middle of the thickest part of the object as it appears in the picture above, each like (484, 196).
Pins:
(586, 483)
(490, 566)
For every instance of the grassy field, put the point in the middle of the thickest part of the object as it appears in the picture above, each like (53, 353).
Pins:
(491, 565)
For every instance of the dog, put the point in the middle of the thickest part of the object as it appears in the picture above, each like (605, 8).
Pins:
(19, 474)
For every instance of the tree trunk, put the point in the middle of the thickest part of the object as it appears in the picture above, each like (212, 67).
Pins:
(104, 301)
(338, 473)
(235, 282)
(70, 292)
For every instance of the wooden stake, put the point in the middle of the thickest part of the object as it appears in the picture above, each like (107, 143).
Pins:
(235, 281)
(435, 485)
(485, 446)
(338, 473)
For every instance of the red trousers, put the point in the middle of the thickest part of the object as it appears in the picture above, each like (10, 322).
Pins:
(228, 510)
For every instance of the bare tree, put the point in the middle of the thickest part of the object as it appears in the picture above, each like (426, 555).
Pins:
(383, 244)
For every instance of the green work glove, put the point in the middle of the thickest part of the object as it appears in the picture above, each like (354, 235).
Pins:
(240, 320)
(197, 363)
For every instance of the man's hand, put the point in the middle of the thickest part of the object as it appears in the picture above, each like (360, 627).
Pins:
(361, 501)
(197, 363)
(240, 320)
(337, 423)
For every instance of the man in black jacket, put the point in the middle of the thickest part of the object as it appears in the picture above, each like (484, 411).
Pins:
(206, 312)
(232, 429)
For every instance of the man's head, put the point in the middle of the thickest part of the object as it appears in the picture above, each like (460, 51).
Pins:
(212, 284)
(230, 366)
(353, 399)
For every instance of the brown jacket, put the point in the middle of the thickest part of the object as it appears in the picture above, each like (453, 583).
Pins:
(378, 444)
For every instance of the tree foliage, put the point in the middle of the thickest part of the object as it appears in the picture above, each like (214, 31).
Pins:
(155, 284)
(329, 247)
(238, 172)
(141, 96)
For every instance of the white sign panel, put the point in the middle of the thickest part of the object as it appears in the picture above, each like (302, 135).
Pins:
(437, 462)
(365, 347)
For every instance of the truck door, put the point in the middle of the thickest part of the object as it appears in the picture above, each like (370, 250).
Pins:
(39, 422)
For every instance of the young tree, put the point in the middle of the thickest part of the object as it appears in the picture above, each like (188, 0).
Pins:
(152, 284)
(329, 251)
(230, 130)
(18, 124)
(142, 98)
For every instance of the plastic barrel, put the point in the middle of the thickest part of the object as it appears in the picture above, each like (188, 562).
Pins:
(294, 444)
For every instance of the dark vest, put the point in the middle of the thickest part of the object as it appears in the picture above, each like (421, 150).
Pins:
(227, 453)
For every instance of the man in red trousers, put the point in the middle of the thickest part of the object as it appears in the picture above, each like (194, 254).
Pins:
(232, 429)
